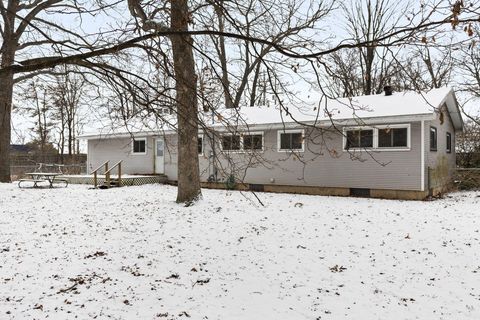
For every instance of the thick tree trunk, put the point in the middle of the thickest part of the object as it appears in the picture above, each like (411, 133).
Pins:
(6, 95)
(187, 109)
(6, 90)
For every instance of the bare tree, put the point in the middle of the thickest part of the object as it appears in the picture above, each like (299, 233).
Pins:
(67, 92)
(149, 16)
(40, 109)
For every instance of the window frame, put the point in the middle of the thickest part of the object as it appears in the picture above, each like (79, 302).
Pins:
(375, 129)
(434, 148)
(279, 137)
(133, 146)
(360, 128)
(393, 126)
(242, 135)
(200, 136)
(447, 142)
(253, 133)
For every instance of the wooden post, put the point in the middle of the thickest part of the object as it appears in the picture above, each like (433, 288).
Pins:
(120, 174)
(95, 179)
(107, 175)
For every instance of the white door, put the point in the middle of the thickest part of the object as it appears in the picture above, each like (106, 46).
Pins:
(159, 156)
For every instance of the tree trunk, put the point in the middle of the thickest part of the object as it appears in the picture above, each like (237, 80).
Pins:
(223, 57)
(6, 91)
(6, 96)
(187, 108)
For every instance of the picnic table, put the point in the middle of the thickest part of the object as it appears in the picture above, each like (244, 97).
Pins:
(40, 176)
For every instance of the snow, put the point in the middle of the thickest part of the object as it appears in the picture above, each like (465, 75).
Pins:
(362, 107)
(408, 103)
(132, 253)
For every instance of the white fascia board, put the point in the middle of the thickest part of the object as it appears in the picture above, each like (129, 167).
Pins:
(139, 134)
(330, 123)
(278, 126)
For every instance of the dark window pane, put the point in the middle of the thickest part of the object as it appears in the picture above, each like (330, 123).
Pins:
(252, 142)
(296, 141)
(433, 138)
(449, 142)
(200, 145)
(231, 143)
(285, 141)
(138, 146)
(384, 138)
(366, 138)
(400, 137)
(291, 141)
(353, 139)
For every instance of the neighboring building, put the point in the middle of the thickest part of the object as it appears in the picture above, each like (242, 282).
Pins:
(20, 149)
(390, 146)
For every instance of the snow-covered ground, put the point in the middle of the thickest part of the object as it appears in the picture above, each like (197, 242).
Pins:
(132, 253)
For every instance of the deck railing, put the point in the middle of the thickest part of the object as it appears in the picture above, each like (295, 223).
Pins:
(107, 174)
(94, 172)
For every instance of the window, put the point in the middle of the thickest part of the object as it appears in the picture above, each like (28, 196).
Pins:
(433, 139)
(449, 142)
(253, 142)
(139, 146)
(231, 143)
(200, 145)
(393, 138)
(360, 138)
(291, 140)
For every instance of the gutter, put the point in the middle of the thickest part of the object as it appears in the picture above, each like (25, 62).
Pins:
(325, 124)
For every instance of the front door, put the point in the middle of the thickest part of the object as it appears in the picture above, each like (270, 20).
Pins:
(159, 156)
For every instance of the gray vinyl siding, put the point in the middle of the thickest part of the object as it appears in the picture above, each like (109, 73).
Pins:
(323, 163)
(436, 159)
(116, 149)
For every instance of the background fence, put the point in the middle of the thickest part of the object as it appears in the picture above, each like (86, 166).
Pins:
(22, 163)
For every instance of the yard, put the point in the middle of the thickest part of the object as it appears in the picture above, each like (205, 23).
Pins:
(132, 253)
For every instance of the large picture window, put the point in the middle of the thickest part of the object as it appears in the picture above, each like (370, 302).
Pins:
(359, 138)
(139, 146)
(393, 138)
(291, 140)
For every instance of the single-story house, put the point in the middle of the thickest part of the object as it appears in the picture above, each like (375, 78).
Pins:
(399, 145)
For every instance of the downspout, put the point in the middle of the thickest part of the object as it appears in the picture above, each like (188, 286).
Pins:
(422, 157)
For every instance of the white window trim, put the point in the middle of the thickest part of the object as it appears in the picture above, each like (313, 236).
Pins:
(280, 132)
(393, 126)
(430, 139)
(375, 129)
(200, 136)
(252, 133)
(230, 134)
(447, 150)
(241, 135)
(344, 140)
(139, 153)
